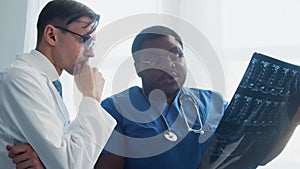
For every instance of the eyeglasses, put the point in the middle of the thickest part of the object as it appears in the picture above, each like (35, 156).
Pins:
(88, 40)
(154, 59)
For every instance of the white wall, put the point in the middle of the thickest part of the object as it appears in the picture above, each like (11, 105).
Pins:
(12, 32)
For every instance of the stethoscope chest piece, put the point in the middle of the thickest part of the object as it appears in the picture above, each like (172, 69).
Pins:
(170, 136)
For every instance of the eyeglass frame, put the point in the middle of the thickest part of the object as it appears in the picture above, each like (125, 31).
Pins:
(174, 57)
(85, 39)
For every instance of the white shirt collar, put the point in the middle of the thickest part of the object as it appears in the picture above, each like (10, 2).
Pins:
(41, 63)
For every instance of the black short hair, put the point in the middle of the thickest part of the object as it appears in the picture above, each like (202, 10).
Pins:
(150, 33)
(64, 12)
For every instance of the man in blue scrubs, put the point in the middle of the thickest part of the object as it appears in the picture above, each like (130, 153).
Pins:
(162, 125)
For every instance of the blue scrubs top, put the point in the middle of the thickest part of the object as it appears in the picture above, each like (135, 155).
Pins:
(139, 134)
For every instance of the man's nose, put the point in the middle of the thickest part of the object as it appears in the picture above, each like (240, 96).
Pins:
(168, 62)
(89, 52)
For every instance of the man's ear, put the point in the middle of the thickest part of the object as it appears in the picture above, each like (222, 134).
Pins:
(138, 69)
(50, 34)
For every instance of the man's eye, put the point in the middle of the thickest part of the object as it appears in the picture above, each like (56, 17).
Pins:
(177, 53)
(180, 55)
(86, 38)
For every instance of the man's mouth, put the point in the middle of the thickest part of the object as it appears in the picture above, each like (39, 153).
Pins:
(170, 76)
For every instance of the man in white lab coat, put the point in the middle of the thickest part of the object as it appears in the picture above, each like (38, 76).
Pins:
(32, 111)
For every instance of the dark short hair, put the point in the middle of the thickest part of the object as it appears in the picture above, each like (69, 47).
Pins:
(63, 13)
(150, 33)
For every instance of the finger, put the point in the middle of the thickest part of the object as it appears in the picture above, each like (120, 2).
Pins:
(85, 71)
(16, 150)
(10, 153)
(97, 75)
(27, 159)
(8, 147)
(102, 81)
(77, 69)
(22, 157)
(33, 162)
(101, 78)
(95, 69)
(25, 165)
(86, 66)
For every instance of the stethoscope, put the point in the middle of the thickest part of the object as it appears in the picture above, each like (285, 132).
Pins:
(170, 135)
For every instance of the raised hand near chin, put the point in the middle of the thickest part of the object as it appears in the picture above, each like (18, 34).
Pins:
(90, 82)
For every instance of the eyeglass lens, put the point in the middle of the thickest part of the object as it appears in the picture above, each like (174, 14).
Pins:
(89, 42)
(159, 60)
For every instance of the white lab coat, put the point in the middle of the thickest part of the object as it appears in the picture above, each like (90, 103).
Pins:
(32, 111)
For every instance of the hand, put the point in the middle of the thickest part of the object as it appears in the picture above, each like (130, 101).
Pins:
(90, 82)
(24, 157)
